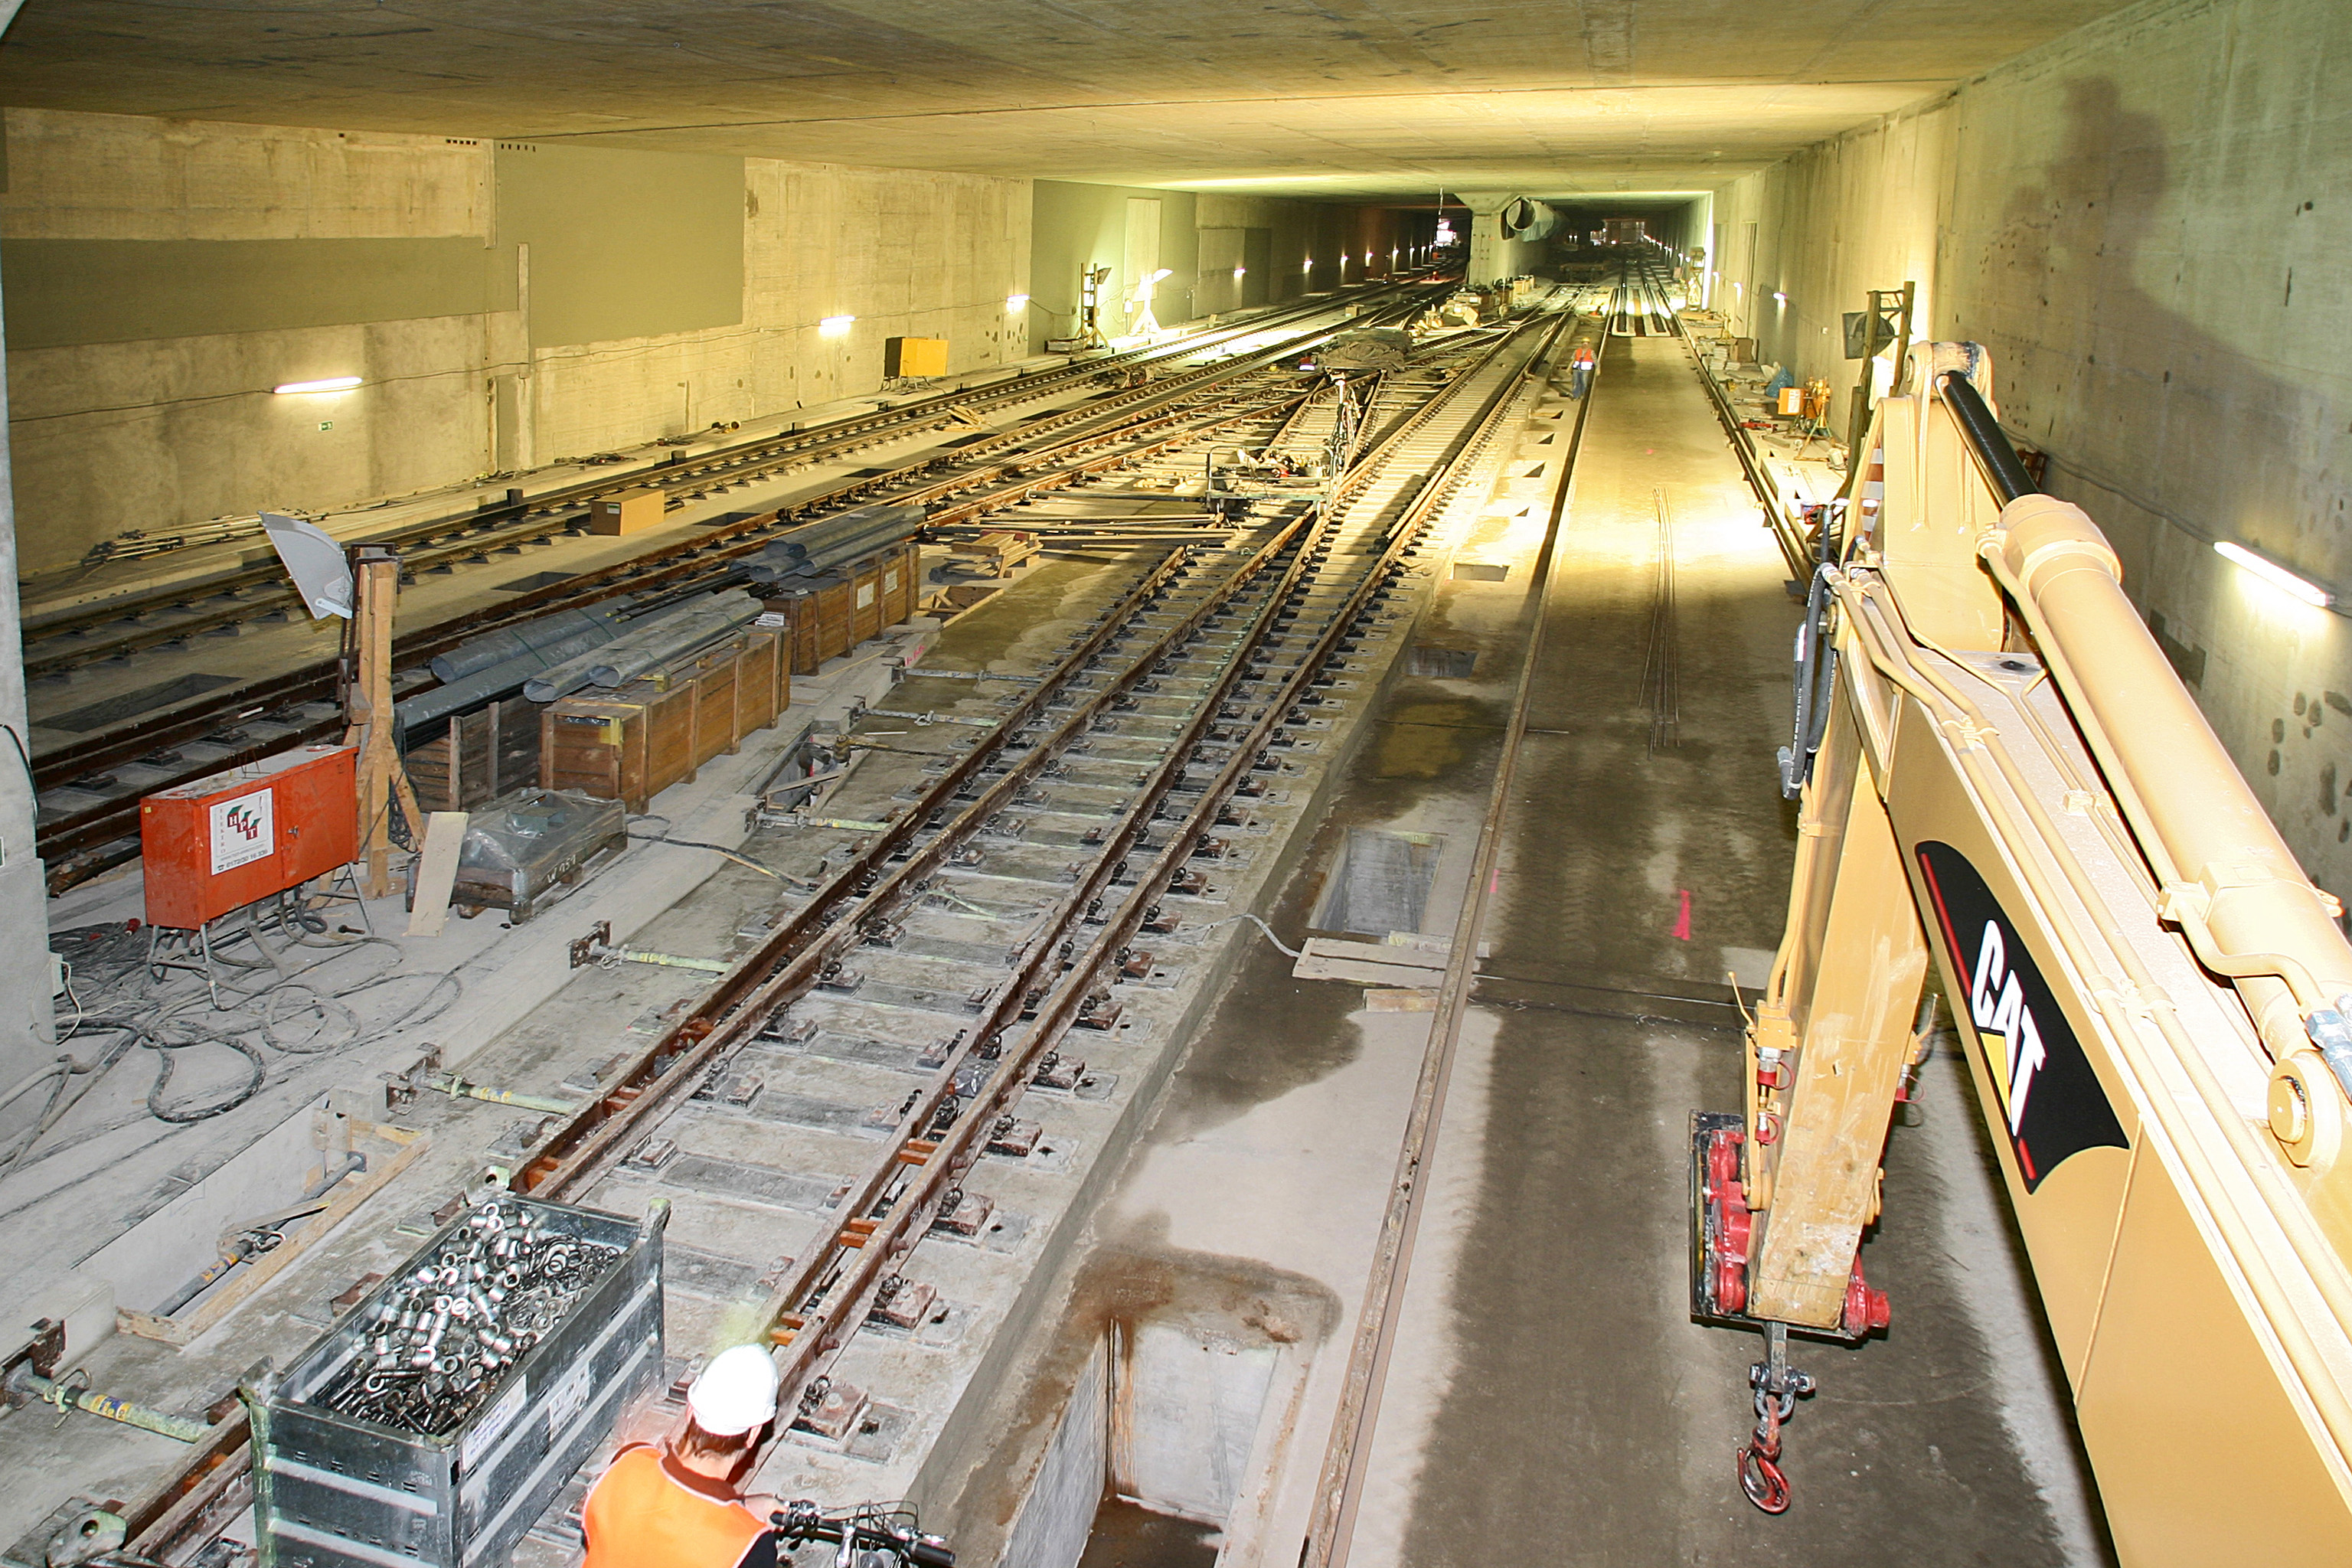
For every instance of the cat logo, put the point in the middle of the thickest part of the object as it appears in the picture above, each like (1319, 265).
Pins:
(2050, 1096)
(2005, 1025)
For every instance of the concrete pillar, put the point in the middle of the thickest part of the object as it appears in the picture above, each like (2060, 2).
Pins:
(27, 1018)
(1492, 254)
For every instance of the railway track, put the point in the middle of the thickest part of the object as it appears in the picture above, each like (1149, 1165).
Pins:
(70, 639)
(896, 1023)
(89, 794)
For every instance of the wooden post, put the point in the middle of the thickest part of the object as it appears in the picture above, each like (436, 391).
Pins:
(367, 707)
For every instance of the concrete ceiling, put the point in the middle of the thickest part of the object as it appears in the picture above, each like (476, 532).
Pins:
(1336, 97)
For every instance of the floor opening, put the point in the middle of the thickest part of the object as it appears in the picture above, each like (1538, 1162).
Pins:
(1128, 1535)
(1480, 572)
(1441, 663)
(1381, 883)
(1157, 1445)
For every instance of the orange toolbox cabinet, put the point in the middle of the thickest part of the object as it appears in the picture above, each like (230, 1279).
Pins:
(220, 843)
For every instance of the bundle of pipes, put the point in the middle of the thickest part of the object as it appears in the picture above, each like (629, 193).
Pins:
(511, 642)
(482, 668)
(843, 537)
(657, 641)
(1076, 529)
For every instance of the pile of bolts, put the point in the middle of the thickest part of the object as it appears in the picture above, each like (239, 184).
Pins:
(444, 1333)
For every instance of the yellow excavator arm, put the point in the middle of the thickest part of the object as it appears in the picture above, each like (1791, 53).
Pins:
(2002, 777)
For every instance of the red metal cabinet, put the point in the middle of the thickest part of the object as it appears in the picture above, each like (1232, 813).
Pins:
(222, 842)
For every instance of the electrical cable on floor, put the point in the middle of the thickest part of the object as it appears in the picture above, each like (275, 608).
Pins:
(1288, 952)
(740, 860)
(230, 1013)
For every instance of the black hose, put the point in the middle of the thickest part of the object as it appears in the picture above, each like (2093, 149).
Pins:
(180, 1115)
(1816, 678)
(1993, 453)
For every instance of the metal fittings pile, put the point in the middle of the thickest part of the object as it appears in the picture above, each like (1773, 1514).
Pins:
(442, 1335)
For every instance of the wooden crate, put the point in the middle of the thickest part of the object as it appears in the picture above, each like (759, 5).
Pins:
(833, 616)
(866, 600)
(798, 606)
(477, 756)
(631, 744)
(901, 569)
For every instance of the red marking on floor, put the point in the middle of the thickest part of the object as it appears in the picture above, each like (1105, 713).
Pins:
(1682, 920)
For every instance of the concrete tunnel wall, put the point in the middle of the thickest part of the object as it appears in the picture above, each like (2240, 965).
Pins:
(513, 304)
(509, 303)
(1223, 252)
(2144, 222)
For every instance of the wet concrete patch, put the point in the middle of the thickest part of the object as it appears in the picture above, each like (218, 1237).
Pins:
(1128, 1536)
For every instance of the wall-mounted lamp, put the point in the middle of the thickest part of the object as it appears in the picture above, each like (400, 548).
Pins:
(1239, 272)
(332, 383)
(1016, 301)
(834, 326)
(2276, 576)
(1778, 298)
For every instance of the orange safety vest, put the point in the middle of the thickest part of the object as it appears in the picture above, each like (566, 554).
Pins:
(640, 1516)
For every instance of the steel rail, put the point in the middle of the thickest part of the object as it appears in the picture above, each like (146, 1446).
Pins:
(1339, 1490)
(724, 541)
(788, 964)
(508, 527)
(1786, 533)
(173, 1514)
(76, 844)
(466, 550)
(850, 1265)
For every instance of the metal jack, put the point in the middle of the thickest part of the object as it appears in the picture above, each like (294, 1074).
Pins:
(1778, 1387)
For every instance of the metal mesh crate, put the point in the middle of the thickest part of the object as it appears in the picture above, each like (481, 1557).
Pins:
(336, 1489)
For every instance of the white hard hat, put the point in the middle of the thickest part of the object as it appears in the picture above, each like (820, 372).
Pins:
(736, 1392)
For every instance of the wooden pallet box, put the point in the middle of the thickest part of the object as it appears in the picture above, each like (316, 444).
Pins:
(470, 759)
(631, 511)
(631, 744)
(900, 572)
(763, 682)
(797, 637)
(866, 600)
(833, 594)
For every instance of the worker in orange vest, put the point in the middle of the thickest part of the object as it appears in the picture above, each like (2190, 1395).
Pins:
(1579, 364)
(676, 1505)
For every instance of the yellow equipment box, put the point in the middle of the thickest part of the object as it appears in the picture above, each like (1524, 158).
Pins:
(914, 356)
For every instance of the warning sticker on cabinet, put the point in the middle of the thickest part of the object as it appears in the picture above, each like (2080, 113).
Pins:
(243, 830)
(864, 594)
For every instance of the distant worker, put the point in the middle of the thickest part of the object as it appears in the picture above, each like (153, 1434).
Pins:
(1579, 364)
(676, 1505)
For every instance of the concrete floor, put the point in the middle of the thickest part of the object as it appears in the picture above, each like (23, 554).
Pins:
(1549, 1395)
(1562, 1321)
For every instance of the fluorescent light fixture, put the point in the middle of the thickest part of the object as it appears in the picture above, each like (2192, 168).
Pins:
(1778, 298)
(2276, 576)
(331, 383)
(834, 326)
(1016, 301)
(1164, 272)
